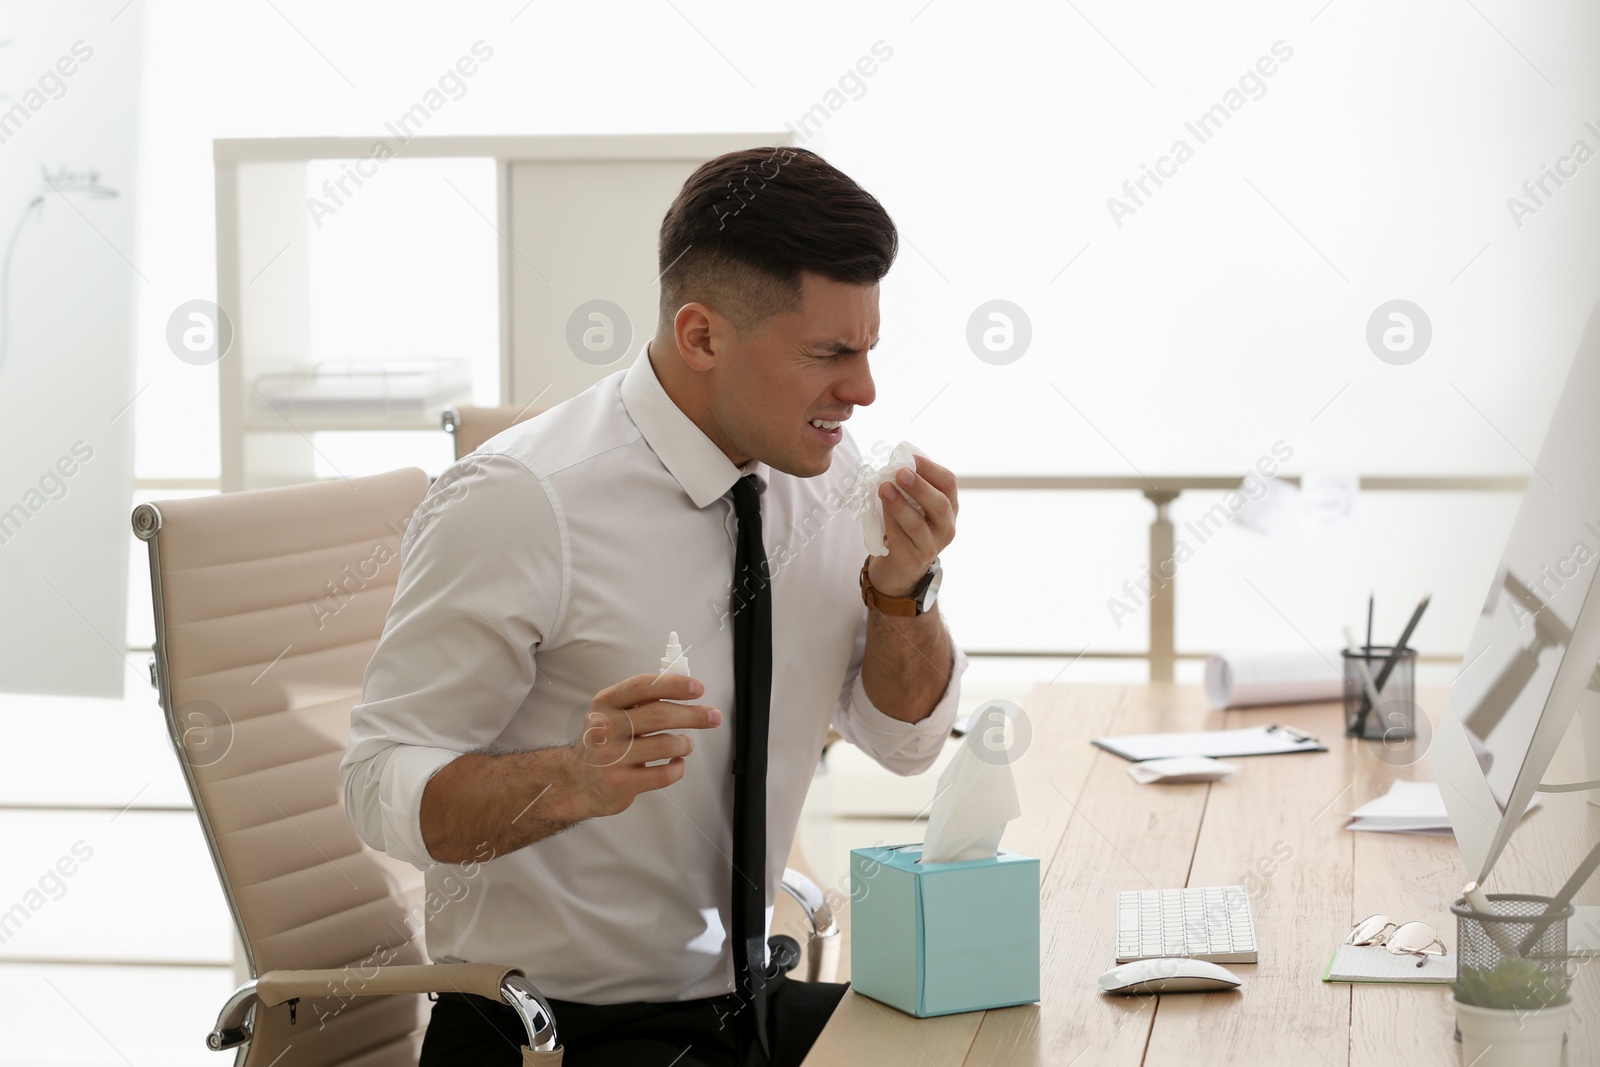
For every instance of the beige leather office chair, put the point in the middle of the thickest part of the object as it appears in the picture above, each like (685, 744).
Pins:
(472, 426)
(268, 605)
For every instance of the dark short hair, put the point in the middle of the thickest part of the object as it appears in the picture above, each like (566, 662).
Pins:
(746, 224)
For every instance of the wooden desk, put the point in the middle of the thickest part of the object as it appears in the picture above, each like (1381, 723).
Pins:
(1097, 832)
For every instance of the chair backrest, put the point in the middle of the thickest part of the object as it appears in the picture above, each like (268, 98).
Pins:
(472, 426)
(268, 606)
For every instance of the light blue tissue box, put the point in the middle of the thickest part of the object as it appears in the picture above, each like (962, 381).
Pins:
(940, 938)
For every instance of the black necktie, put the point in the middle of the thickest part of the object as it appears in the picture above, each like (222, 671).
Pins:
(752, 689)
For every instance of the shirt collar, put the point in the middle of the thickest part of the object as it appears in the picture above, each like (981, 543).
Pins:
(701, 468)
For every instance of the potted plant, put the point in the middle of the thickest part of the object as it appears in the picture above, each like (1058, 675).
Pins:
(1513, 1014)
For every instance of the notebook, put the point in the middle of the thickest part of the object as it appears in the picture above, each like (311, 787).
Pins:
(1250, 741)
(1374, 963)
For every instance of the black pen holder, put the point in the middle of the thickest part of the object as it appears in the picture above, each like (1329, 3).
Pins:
(1394, 718)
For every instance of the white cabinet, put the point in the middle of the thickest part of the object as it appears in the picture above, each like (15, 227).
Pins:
(547, 243)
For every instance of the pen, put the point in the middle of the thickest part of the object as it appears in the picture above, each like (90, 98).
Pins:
(1394, 658)
(1479, 903)
(1400, 646)
(1298, 735)
(1369, 693)
(1561, 900)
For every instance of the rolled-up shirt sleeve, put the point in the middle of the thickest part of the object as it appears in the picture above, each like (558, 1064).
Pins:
(481, 581)
(906, 748)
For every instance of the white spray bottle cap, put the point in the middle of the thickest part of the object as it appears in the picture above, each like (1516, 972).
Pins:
(674, 662)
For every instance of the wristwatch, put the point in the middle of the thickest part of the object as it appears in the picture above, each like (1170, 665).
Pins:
(920, 602)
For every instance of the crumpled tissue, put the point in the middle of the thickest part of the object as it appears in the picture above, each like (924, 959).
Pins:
(976, 797)
(863, 500)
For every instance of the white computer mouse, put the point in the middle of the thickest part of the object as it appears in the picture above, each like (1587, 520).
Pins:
(1168, 975)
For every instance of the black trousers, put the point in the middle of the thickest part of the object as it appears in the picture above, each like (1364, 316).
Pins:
(471, 1030)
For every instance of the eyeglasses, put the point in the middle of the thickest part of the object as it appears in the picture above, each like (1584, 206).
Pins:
(1403, 939)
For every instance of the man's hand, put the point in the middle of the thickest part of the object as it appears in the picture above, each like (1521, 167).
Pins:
(914, 538)
(505, 802)
(907, 663)
(621, 733)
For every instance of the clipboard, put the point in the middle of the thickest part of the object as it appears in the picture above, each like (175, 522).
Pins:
(1272, 740)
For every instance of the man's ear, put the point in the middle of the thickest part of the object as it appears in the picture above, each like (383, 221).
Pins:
(702, 335)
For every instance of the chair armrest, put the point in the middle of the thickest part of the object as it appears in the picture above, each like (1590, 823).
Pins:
(275, 987)
(822, 956)
(812, 901)
(505, 984)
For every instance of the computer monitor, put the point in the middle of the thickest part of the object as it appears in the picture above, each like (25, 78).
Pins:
(1537, 641)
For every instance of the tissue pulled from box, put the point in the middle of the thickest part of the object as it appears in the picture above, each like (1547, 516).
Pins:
(864, 503)
(976, 797)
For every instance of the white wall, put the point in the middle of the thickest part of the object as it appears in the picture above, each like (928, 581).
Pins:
(69, 271)
(1228, 313)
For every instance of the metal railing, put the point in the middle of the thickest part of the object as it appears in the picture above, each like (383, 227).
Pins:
(1162, 491)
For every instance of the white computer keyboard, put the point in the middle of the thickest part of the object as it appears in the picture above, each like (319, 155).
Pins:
(1204, 923)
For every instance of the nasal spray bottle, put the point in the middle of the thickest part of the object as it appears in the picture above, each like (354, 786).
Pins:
(674, 662)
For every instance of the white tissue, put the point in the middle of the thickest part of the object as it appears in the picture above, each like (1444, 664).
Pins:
(863, 500)
(974, 801)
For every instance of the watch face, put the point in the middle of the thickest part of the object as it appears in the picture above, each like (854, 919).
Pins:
(926, 599)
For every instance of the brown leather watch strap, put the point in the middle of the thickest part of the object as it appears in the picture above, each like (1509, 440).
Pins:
(904, 607)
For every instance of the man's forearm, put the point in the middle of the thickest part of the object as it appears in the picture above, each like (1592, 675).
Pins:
(506, 801)
(907, 663)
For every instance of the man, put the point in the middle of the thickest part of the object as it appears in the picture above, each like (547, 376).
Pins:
(625, 829)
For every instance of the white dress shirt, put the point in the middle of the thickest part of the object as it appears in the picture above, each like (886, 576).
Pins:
(552, 563)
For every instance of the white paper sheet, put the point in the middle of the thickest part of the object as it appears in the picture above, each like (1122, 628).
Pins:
(1407, 800)
(1407, 808)
(1180, 770)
